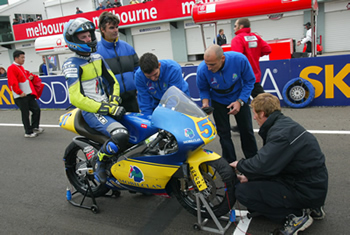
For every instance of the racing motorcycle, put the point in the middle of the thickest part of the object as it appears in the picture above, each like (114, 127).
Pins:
(165, 157)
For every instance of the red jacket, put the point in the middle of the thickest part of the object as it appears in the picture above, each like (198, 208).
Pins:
(252, 46)
(17, 75)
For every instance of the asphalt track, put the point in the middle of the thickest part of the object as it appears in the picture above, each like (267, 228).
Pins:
(33, 184)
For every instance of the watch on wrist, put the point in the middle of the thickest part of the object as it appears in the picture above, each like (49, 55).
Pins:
(241, 102)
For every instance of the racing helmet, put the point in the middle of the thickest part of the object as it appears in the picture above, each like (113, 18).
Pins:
(75, 26)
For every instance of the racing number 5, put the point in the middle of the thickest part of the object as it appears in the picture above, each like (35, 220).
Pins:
(205, 128)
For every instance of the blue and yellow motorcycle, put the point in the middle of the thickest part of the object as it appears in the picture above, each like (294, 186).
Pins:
(165, 157)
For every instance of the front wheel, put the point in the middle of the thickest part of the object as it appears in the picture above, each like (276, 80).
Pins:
(220, 194)
(79, 171)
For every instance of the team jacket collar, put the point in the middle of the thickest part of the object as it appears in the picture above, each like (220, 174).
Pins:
(109, 44)
(243, 30)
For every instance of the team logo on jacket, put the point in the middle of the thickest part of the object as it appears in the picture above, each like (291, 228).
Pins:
(136, 173)
(214, 82)
(151, 88)
(234, 77)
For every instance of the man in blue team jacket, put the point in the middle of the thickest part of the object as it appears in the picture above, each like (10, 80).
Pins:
(120, 57)
(153, 78)
(227, 79)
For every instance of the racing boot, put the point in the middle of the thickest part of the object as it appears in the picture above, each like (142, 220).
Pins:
(100, 168)
(107, 150)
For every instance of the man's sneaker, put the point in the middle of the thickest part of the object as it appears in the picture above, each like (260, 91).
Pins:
(295, 224)
(317, 213)
(32, 135)
(38, 130)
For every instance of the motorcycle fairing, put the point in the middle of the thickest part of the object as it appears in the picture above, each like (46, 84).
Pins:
(139, 126)
(67, 120)
(182, 126)
(194, 161)
(141, 174)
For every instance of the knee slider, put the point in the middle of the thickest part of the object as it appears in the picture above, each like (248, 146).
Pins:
(120, 137)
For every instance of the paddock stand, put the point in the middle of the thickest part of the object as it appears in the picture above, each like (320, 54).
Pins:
(201, 223)
(94, 208)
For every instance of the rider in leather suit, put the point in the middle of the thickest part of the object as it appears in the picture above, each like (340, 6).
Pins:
(94, 89)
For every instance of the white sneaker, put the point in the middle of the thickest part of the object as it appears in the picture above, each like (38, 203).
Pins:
(38, 130)
(30, 135)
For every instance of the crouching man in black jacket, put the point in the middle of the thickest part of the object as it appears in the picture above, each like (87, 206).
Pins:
(288, 177)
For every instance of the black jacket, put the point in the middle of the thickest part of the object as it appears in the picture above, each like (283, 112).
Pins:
(221, 39)
(292, 156)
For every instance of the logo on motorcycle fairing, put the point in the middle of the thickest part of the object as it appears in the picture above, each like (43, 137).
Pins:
(189, 133)
(136, 173)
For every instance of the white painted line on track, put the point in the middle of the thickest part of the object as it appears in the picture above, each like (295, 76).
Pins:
(328, 132)
(243, 224)
(13, 124)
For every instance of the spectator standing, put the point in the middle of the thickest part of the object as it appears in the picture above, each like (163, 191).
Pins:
(25, 87)
(221, 37)
(117, 3)
(121, 58)
(109, 5)
(94, 89)
(100, 7)
(3, 73)
(307, 39)
(153, 79)
(253, 47)
(227, 79)
(21, 20)
(29, 19)
(15, 21)
(43, 68)
(288, 176)
(78, 11)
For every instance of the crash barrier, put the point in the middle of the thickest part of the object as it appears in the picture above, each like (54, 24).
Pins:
(328, 75)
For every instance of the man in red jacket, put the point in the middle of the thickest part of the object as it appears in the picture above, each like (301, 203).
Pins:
(253, 47)
(25, 87)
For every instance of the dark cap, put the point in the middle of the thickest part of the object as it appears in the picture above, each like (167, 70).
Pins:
(77, 8)
(308, 24)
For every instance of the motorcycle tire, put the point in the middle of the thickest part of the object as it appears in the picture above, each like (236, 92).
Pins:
(298, 93)
(74, 161)
(220, 193)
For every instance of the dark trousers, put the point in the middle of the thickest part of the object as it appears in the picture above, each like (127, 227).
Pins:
(269, 198)
(129, 102)
(245, 126)
(26, 104)
(258, 89)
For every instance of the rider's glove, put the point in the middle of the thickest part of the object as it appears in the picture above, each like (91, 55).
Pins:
(114, 99)
(104, 108)
(116, 111)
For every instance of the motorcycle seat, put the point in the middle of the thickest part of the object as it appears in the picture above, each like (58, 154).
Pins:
(84, 129)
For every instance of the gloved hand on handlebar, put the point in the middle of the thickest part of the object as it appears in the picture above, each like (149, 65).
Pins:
(116, 111)
(114, 99)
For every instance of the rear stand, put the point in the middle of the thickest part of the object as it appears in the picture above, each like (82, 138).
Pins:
(94, 208)
(201, 223)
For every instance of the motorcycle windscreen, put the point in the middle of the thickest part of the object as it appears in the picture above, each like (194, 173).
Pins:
(180, 116)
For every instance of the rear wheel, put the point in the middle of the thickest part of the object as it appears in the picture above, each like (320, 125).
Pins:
(220, 196)
(79, 172)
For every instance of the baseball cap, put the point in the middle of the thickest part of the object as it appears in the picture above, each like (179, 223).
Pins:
(307, 24)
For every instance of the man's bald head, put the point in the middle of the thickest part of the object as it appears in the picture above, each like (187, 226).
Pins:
(214, 58)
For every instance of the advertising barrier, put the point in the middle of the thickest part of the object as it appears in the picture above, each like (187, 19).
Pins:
(329, 75)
